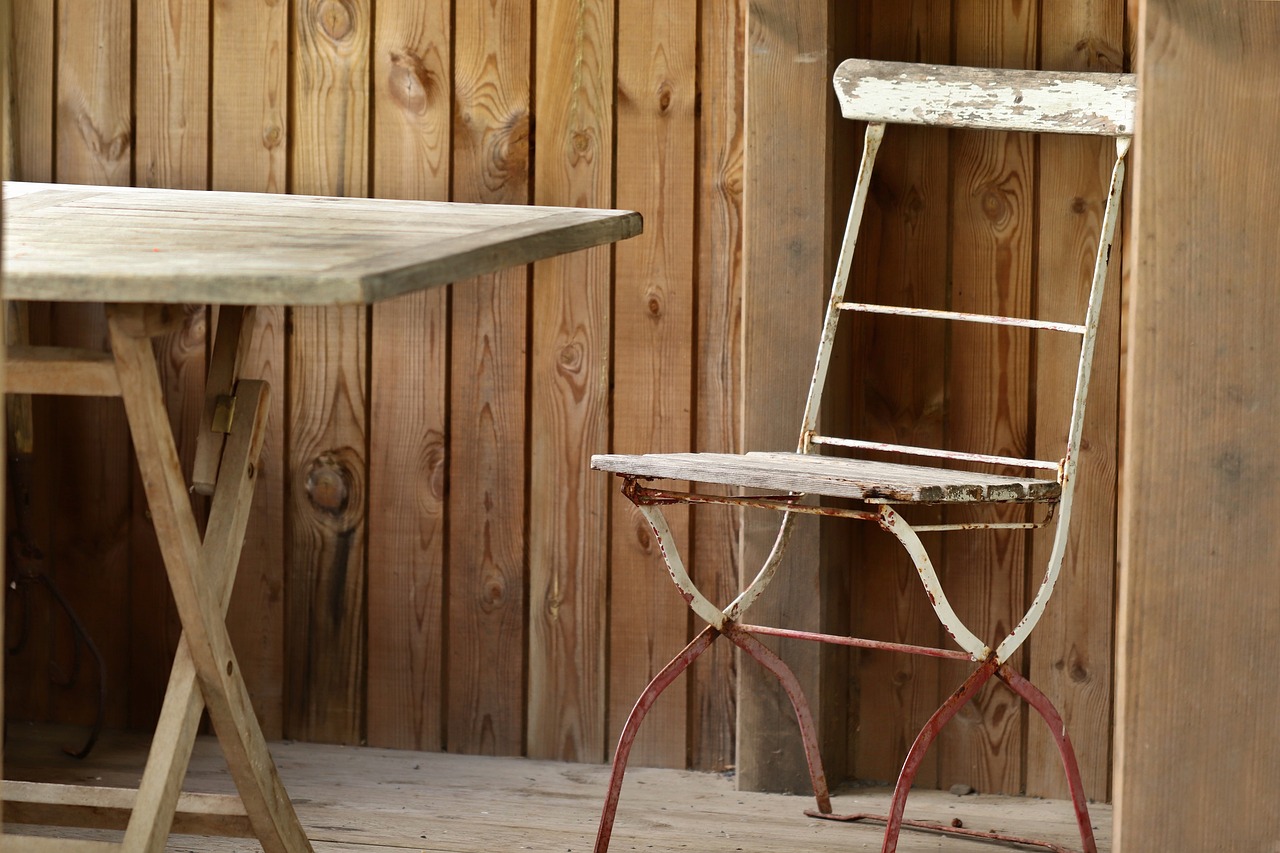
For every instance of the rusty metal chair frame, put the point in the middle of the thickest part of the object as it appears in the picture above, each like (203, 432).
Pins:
(882, 93)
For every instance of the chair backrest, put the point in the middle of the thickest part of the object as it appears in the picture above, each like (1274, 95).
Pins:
(881, 93)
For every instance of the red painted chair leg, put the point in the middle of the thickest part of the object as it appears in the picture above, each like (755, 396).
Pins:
(660, 682)
(928, 734)
(808, 732)
(1036, 699)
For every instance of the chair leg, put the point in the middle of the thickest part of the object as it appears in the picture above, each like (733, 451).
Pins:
(808, 732)
(1036, 699)
(928, 734)
(660, 682)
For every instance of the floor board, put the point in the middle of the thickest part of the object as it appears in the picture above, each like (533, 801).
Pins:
(380, 800)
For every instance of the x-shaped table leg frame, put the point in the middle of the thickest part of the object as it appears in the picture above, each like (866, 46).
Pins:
(205, 673)
(728, 622)
(201, 573)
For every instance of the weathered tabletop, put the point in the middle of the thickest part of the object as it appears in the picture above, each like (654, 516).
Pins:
(72, 243)
(139, 250)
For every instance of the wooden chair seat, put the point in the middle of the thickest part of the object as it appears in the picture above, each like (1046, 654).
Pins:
(833, 476)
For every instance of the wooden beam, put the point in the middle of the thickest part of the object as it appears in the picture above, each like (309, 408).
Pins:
(60, 370)
(790, 110)
(1196, 752)
(95, 807)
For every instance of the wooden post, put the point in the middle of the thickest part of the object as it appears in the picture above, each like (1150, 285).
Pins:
(787, 225)
(1196, 751)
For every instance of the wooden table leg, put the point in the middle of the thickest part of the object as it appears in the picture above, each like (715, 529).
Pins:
(201, 598)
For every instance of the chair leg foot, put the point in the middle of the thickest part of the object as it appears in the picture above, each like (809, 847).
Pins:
(652, 691)
(928, 734)
(808, 732)
(1036, 699)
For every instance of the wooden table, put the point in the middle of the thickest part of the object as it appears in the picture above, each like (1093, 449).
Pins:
(142, 253)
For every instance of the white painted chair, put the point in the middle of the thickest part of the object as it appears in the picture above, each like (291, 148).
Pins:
(882, 93)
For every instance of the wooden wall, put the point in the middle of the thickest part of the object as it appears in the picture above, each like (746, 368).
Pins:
(1200, 609)
(431, 563)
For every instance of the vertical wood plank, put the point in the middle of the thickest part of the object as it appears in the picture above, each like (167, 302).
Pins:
(989, 386)
(1199, 594)
(1071, 650)
(653, 304)
(29, 135)
(247, 153)
(31, 87)
(718, 357)
(570, 389)
(171, 102)
(249, 98)
(486, 602)
(407, 465)
(903, 393)
(89, 439)
(786, 226)
(325, 623)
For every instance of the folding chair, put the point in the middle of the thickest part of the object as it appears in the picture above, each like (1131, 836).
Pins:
(881, 93)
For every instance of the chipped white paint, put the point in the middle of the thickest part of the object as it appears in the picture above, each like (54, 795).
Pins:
(987, 98)
(959, 632)
(964, 316)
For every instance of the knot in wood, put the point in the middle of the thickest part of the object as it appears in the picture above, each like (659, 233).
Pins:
(581, 142)
(994, 204)
(654, 305)
(336, 19)
(410, 83)
(328, 486)
(665, 96)
(571, 357)
(272, 135)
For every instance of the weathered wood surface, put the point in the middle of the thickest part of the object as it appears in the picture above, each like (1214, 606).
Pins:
(267, 132)
(787, 215)
(569, 372)
(79, 244)
(487, 600)
(383, 800)
(987, 98)
(833, 476)
(408, 389)
(1072, 650)
(1200, 607)
(901, 394)
(653, 307)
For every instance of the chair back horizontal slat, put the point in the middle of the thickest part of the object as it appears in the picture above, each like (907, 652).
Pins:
(1094, 103)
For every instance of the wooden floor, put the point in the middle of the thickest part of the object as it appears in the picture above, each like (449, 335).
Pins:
(379, 801)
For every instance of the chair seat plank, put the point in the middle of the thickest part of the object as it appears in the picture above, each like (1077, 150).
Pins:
(832, 476)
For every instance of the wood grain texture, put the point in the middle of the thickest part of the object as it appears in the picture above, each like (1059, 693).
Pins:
(247, 147)
(787, 216)
(250, 98)
(147, 245)
(652, 387)
(31, 90)
(93, 119)
(902, 395)
(171, 102)
(88, 439)
(1199, 447)
(717, 358)
(569, 393)
(993, 210)
(832, 476)
(171, 94)
(154, 626)
(29, 134)
(1071, 652)
(325, 630)
(488, 414)
(325, 618)
(408, 384)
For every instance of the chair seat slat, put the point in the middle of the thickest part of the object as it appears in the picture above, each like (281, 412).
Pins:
(832, 477)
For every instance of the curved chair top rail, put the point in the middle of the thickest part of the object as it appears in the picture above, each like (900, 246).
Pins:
(1096, 103)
